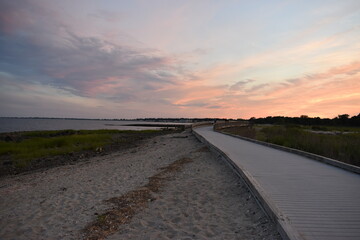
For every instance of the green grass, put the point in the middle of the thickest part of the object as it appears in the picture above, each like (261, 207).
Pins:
(343, 147)
(38, 144)
(38, 147)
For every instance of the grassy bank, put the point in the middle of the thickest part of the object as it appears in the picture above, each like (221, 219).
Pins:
(341, 143)
(30, 150)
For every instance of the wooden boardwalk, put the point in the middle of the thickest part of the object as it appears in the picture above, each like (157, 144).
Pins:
(311, 200)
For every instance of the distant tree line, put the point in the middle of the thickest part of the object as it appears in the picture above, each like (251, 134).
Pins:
(340, 120)
(184, 120)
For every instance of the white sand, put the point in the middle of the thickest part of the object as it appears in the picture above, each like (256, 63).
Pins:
(205, 200)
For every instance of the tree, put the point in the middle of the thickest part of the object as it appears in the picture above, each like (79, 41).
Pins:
(343, 116)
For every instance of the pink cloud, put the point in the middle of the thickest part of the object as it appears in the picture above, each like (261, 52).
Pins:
(324, 94)
(338, 87)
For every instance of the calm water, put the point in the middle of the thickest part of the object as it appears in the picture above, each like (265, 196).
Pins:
(25, 124)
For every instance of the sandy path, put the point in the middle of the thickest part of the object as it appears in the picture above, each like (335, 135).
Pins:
(204, 199)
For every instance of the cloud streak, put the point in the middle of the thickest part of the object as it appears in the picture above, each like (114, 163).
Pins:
(85, 66)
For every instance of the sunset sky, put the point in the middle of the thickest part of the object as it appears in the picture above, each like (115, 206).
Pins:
(188, 58)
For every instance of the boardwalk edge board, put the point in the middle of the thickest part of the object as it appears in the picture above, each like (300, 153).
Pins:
(312, 156)
(283, 226)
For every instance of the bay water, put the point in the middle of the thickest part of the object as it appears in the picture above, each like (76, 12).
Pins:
(33, 124)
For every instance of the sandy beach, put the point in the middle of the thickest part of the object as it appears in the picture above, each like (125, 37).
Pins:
(193, 195)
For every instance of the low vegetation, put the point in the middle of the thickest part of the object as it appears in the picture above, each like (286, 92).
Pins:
(23, 151)
(304, 120)
(41, 146)
(340, 143)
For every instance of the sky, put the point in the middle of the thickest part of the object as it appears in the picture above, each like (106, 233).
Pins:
(136, 59)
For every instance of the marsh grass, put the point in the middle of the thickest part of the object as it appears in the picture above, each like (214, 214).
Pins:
(28, 146)
(342, 146)
(37, 147)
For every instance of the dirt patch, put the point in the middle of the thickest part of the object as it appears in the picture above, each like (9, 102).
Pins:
(203, 149)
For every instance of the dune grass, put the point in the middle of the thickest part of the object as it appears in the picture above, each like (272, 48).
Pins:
(341, 146)
(38, 144)
(54, 133)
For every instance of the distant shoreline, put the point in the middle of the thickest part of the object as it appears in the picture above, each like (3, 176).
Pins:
(65, 118)
(8, 125)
